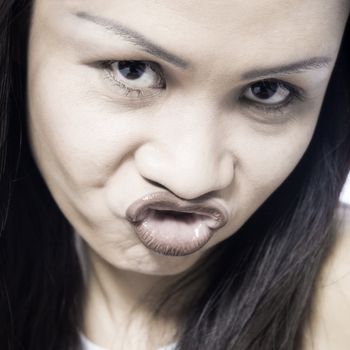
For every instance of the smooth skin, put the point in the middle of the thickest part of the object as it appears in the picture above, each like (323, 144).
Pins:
(205, 135)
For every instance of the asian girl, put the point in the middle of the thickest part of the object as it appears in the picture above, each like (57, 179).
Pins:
(170, 174)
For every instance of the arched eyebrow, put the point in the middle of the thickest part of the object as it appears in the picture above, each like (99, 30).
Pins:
(135, 38)
(138, 39)
(308, 64)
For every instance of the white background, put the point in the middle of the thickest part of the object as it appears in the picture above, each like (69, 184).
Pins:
(345, 195)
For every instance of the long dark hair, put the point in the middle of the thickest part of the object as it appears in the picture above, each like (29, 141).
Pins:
(258, 285)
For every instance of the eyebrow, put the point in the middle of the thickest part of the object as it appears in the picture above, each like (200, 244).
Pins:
(152, 48)
(308, 64)
(135, 38)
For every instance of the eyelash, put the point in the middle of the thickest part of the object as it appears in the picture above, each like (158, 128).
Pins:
(106, 65)
(295, 93)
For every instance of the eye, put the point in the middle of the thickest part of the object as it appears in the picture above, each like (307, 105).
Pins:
(135, 76)
(269, 92)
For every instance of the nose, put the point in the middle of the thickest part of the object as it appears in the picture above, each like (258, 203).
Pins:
(188, 158)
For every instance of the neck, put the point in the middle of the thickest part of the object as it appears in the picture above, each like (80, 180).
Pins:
(119, 305)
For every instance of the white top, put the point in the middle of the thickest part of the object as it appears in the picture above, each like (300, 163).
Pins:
(88, 345)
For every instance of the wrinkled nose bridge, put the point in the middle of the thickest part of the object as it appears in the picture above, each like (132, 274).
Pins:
(189, 158)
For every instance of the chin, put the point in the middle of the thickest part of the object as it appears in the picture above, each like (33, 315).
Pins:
(150, 263)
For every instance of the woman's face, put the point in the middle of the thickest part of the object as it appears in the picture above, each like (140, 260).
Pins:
(191, 117)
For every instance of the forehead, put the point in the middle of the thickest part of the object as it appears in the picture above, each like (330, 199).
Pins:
(236, 27)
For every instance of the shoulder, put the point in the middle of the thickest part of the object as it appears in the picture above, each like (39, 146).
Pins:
(330, 323)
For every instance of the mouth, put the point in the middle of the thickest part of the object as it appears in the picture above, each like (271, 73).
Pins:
(174, 233)
(170, 226)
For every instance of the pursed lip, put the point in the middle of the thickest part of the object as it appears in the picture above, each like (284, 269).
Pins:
(162, 200)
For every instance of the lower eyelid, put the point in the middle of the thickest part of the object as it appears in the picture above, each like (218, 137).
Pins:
(278, 111)
(137, 95)
(117, 83)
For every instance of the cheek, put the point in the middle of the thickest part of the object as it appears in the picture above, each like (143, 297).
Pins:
(267, 160)
(263, 162)
(74, 138)
(76, 143)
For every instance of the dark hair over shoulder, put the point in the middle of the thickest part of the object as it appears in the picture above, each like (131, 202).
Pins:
(40, 276)
(258, 283)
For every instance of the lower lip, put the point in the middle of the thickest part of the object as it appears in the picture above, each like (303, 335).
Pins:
(180, 235)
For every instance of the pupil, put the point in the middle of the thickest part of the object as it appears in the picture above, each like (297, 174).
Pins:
(264, 90)
(131, 69)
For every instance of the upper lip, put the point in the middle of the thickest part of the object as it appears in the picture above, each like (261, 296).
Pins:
(162, 200)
